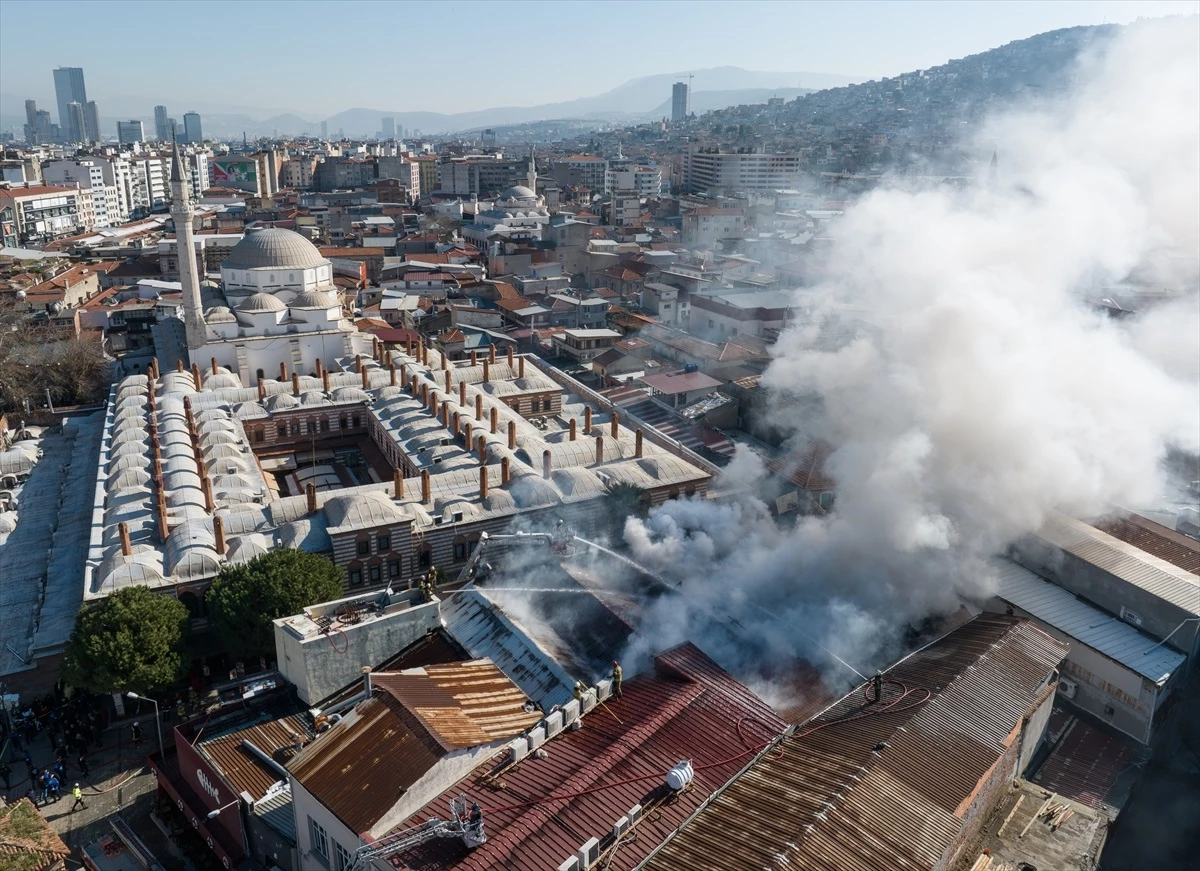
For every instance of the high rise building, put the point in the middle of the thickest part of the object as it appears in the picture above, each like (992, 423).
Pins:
(389, 128)
(69, 88)
(161, 128)
(191, 128)
(324, 130)
(39, 129)
(129, 132)
(679, 101)
(74, 126)
(91, 122)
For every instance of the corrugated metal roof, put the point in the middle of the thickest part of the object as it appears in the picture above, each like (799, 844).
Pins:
(244, 771)
(687, 708)
(277, 812)
(1155, 539)
(1126, 561)
(829, 801)
(461, 704)
(1111, 636)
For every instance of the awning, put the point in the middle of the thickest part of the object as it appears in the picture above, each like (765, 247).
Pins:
(219, 841)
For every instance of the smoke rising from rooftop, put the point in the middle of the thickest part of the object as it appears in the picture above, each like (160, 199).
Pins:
(962, 374)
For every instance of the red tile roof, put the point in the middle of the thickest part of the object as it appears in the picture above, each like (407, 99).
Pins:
(34, 190)
(686, 708)
(805, 467)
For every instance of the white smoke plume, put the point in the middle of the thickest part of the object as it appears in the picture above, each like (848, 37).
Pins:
(981, 391)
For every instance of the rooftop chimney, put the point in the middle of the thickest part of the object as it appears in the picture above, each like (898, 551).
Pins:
(366, 673)
(483, 453)
(366, 378)
(587, 420)
(616, 421)
(126, 546)
(521, 367)
(479, 406)
(214, 365)
(358, 362)
(512, 435)
(546, 464)
(483, 481)
(433, 403)
(467, 436)
(163, 529)
(391, 371)
(219, 535)
(637, 443)
(495, 415)
(196, 377)
(446, 415)
(296, 383)
(178, 364)
(449, 381)
(425, 487)
(282, 371)
(474, 358)
(504, 470)
(320, 368)
(487, 374)
(310, 490)
(509, 352)
(491, 353)
(206, 489)
(462, 393)
(572, 429)
(599, 450)
(262, 390)
(325, 381)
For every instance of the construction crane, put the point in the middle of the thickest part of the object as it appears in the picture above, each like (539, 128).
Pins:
(466, 822)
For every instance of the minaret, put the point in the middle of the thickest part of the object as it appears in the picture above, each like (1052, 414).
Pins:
(185, 251)
(532, 185)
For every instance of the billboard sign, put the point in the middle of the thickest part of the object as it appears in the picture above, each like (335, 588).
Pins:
(235, 173)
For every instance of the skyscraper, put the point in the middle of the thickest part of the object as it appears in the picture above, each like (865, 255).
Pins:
(679, 101)
(69, 88)
(40, 129)
(91, 122)
(191, 127)
(74, 123)
(389, 128)
(129, 132)
(324, 130)
(161, 128)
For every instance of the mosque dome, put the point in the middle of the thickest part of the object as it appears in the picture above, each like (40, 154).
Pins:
(520, 192)
(274, 248)
(312, 299)
(262, 302)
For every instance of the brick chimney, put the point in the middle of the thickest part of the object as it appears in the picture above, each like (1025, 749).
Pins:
(219, 535)
(587, 420)
(282, 371)
(196, 377)
(483, 482)
(425, 490)
(295, 383)
(398, 484)
(616, 422)
(504, 470)
(479, 406)
(599, 450)
(572, 429)
(637, 442)
(495, 420)
(546, 464)
(512, 435)
(310, 490)
(126, 546)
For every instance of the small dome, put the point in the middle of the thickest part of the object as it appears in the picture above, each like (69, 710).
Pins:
(274, 248)
(313, 299)
(262, 302)
(519, 192)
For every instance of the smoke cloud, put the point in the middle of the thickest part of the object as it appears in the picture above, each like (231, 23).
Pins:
(964, 376)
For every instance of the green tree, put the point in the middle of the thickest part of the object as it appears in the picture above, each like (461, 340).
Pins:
(623, 500)
(133, 640)
(245, 598)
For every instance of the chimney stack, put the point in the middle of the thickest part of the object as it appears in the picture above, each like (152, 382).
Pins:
(479, 406)
(637, 443)
(495, 419)
(375, 347)
(358, 362)
(445, 358)
(462, 393)
(366, 673)
(467, 436)
(433, 403)
(425, 497)
(491, 353)
(456, 422)
(572, 429)
(219, 535)
(483, 453)
(446, 414)
(206, 490)
(262, 390)
(546, 464)
(512, 435)
(387, 358)
(196, 377)
(599, 450)
(310, 490)
(487, 374)
(163, 529)
(366, 378)
(449, 381)
(391, 371)
(398, 484)
(325, 381)
(504, 470)
(474, 357)
(178, 364)
(126, 546)
(616, 422)
(282, 371)
(320, 367)
(214, 365)
(483, 482)
(587, 420)
(296, 383)
(509, 352)
(521, 367)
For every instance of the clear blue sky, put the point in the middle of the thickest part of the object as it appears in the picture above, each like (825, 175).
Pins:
(316, 59)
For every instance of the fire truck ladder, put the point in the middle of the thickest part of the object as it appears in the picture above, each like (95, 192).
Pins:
(466, 822)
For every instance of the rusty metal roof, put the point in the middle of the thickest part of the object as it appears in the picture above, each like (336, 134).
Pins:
(1155, 539)
(461, 704)
(244, 771)
(829, 801)
(687, 708)
(360, 767)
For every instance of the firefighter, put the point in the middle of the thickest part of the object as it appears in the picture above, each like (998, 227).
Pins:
(579, 691)
(136, 729)
(77, 794)
(616, 680)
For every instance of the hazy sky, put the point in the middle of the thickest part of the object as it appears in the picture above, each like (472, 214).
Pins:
(316, 59)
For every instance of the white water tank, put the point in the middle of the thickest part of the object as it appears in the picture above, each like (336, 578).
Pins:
(680, 776)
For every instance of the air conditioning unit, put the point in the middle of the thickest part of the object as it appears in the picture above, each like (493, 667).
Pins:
(1068, 688)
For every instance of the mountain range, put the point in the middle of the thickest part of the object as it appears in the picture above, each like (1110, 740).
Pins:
(641, 99)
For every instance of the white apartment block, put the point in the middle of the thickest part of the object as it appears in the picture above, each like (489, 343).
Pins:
(96, 181)
(707, 169)
(645, 180)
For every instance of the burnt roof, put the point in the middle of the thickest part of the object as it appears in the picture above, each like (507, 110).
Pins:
(686, 708)
(854, 809)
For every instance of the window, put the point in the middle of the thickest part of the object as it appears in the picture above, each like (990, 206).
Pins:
(324, 424)
(320, 841)
(259, 435)
(282, 429)
(295, 427)
(424, 558)
(460, 550)
(383, 543)
(356, 577)
(309, 427)
(341, 857)
(364, 546)
(393, 568)
(342, 422)
(357, 420)
(373, 572)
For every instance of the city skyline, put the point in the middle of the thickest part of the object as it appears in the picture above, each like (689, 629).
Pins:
(801, 36)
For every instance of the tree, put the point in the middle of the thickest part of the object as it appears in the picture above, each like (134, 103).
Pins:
(133, 640)
(623, 500)
(245, 598)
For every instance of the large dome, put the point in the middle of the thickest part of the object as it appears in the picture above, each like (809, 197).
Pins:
(520, 192)
(273, 248)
